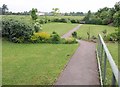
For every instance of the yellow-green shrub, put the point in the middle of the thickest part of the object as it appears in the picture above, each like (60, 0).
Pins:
(42, 35)
(70, 40)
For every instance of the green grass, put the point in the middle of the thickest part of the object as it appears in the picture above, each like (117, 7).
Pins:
(113, 49)
(94, 30)
(34, 64)
(60, 28)
(28, 17)
(70, 17)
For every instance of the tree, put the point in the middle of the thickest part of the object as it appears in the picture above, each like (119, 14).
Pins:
(117, 6)
(33, 13)
(4, 9)
(56, 11)
(87, 17)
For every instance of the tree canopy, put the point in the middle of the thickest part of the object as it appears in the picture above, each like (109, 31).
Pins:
(104, 16)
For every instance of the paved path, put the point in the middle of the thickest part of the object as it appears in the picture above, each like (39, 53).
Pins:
(82, 67)
(71, 31)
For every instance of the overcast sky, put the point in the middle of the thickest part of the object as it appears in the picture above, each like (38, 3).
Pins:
(63, 5)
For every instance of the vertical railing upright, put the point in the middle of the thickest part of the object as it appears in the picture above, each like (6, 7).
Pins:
(102, 49)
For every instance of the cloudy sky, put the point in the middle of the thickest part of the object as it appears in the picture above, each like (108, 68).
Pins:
(63, 5)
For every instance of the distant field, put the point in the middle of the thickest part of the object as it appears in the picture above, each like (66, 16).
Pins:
(94, 30)
(60, 28)
(71, 17)
(50, 17)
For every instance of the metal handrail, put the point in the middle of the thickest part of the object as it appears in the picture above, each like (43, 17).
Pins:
(116, 73)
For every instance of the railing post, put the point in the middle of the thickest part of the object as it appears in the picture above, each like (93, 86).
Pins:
(98, 47)
(104, 71)
(113, 80)
(101, 53)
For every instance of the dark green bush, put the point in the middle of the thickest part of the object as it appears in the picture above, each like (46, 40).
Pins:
(74, 34)
(16, 31)
(55, 38)
(65, 20)
(56, 20)
(73, 21)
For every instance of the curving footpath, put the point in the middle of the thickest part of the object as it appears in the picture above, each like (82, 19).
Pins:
(82, 68)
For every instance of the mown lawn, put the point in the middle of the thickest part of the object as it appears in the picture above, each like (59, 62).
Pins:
(60, 28)
(113, 49)
(35, 64)
(94, 30)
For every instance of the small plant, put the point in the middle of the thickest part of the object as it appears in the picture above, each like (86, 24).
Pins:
(74, 34)
(55, 38)
(104, 32)
(93, 37)
(88, 33)
(70, 40)
(79, 37)
(34, 39)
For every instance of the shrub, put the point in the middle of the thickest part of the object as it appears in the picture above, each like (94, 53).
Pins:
(16, 31)
(34, 39)
(65, 20)
(94, 37)
(74, 34)
(70, 41)
(37, 27)
(79, 37)
(56, 20)
(43, 35)
(55, 38)
(73, 20)
(112, 37)
(41, 20)
(40, 37)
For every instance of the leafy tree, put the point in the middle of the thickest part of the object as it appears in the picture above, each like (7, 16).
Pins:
(87, 17)
(117, 6)
(33, 13)
(117, 18)
(104, 16)
(4, 9)
(56, 11)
